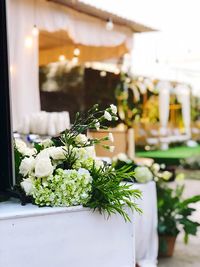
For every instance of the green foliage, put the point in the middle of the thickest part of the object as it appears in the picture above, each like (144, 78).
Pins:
(109, 194)
(174, 212)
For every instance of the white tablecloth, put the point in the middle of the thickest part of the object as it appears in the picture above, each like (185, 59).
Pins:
(146, 238)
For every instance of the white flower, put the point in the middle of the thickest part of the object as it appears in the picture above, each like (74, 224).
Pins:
(111, 149)
(143, 174)
(27, 166)
(43, 167)
(97, 126)
(91, 151)
(113, 108)
(56, 153)
(110, 137)
(98, 163)
(20, 145)
(47, 143)
(27, 185)
(23, 148)
(156, 167)
(122, 157)
(81, 139)
(107, 116)
(166, 175)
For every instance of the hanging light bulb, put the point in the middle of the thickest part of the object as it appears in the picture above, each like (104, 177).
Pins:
(62, 58)
(35, 31)
(28, 42)
(109, 25)
(103, 73)
(77, 52)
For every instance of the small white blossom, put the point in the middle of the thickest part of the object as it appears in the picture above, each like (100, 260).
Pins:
(97, 126)
(27, 166)
(107, 116)
(110, 137)
(113, 108)
(27, 185)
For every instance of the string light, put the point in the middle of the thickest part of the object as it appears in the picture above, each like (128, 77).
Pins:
(103, 73)
(109, 25)
(62, 58)
(35, 31)
(28, 42)
(77, 52)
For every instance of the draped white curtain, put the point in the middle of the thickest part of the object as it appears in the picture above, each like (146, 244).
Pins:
(23, 46)
(164, 101)
(23, 53)
(183, 95)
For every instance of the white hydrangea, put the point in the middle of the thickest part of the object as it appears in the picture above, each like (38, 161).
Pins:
(65, 188)
(27, 166)
(113, 109)
(143, 174)
(98, 163)
(107, 116)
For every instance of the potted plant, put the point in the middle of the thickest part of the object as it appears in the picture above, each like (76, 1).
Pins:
(174, 215)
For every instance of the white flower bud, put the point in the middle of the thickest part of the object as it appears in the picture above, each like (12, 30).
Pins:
(107, 116)
(110, 137)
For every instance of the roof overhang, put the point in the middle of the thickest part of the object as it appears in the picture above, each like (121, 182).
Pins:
(93, 11)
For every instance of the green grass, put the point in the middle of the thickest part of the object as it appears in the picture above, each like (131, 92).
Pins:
(171, 156)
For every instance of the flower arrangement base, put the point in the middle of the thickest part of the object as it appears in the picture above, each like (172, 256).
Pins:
(166, 246)
(73, 236)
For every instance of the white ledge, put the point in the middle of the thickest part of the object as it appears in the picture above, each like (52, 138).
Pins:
(14, 209)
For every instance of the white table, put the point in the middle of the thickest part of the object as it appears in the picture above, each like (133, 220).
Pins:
(146, 238)
(60, 237)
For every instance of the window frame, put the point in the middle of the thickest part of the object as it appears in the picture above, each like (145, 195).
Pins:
(6, 134)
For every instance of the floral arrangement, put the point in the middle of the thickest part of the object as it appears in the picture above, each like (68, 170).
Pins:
(143, 174)
(63, 170)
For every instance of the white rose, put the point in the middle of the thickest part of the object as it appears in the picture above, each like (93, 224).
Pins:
(143, 174)
(27, 186)
(23, 148)
(81, 139)
(57, 153)
(29, 152)
(27, 166)
(20, 145)
(43, 167)
(107, 116)
(113, 108)
(110, 137)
